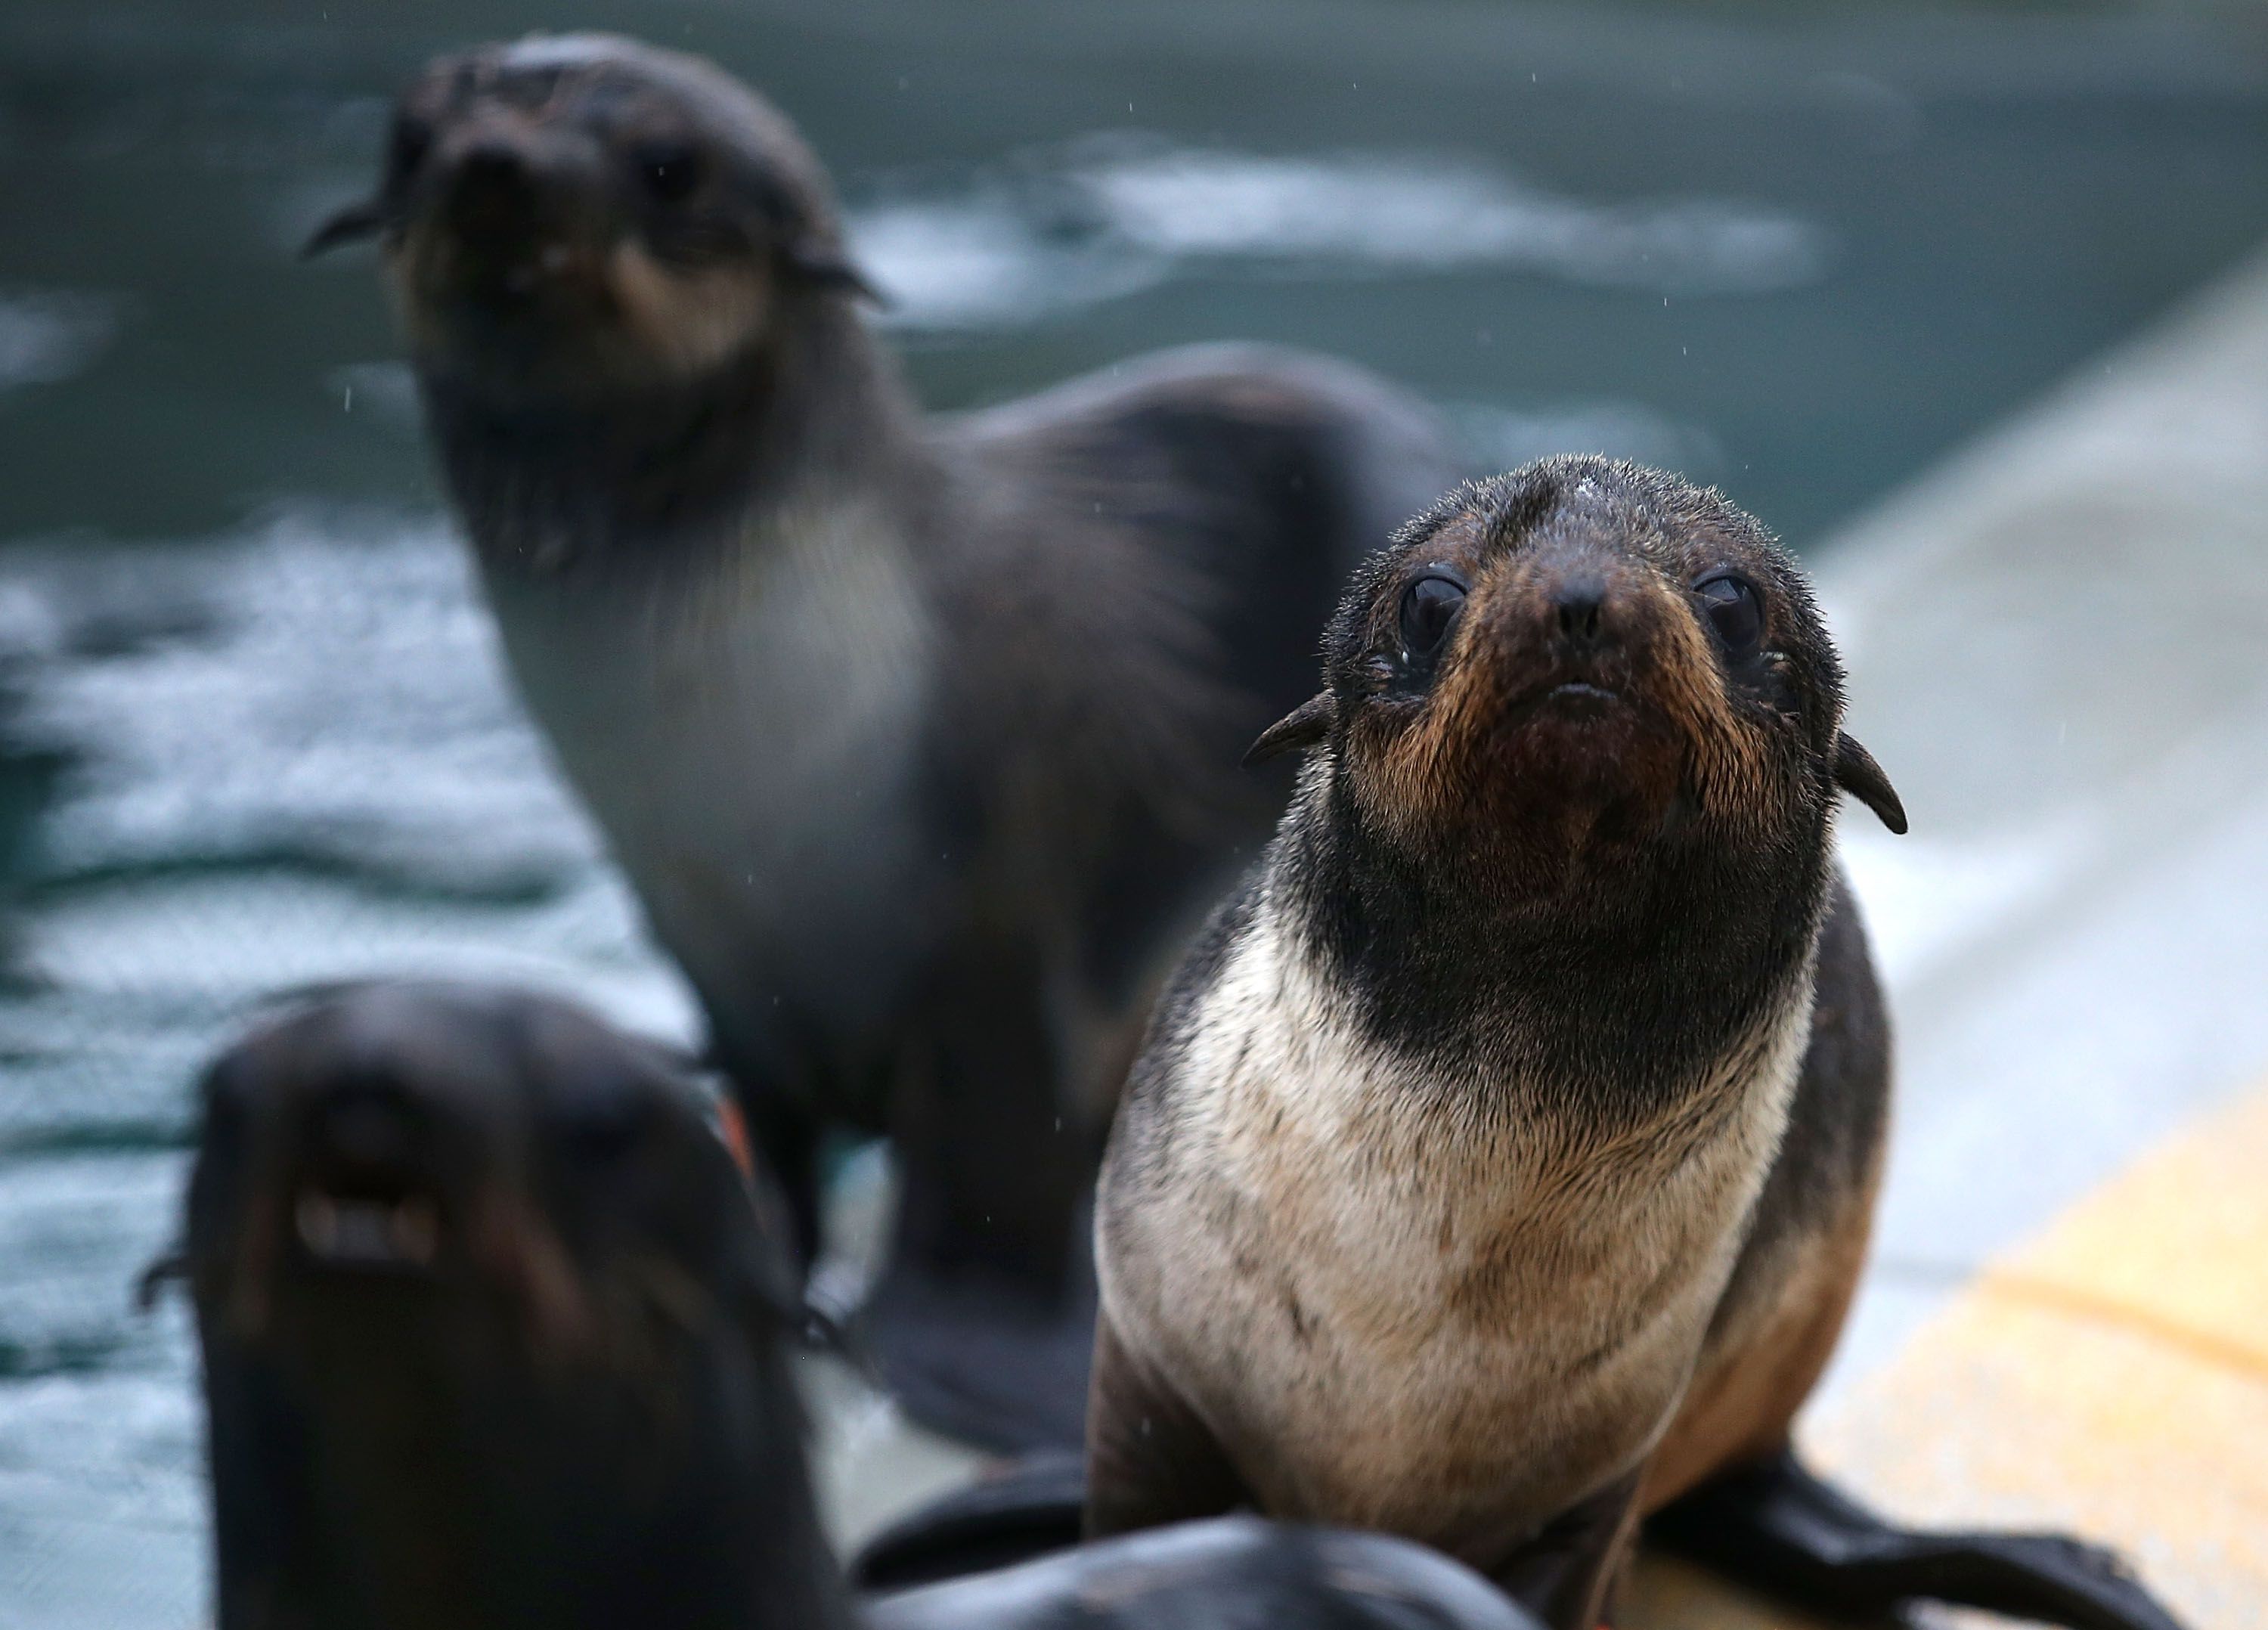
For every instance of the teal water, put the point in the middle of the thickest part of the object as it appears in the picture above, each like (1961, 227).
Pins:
(251, 728)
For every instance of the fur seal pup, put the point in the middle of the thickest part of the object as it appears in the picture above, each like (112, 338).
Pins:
(494, 1337)
(1502, 1158)
(916, 737)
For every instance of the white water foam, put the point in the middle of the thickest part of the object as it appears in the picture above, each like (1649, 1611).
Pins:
(1110, 215)
(323, 689)
(48, 337)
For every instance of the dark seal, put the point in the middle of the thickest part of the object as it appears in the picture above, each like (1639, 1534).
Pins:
(916, 737)
(1501, 1161)
(495, 1338)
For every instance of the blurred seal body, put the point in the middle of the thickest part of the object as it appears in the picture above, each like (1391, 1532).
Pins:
(917, 738)
(1502, 1159)
(494, 1339)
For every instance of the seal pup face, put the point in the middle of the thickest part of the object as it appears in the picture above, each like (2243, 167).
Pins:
(581, 215)
(1576, 667)
(491, 1330)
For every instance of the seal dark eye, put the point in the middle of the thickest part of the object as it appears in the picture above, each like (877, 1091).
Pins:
(407, 149)
(1429, 610)
(1736, 611)
(670, 172)
(601, 1117)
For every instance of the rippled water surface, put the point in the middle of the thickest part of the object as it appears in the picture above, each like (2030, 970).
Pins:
(252, 727)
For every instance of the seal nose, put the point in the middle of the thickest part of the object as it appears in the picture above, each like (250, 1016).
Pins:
(491, 166)
(369, 1132)
(1579, 609)
(496, 193)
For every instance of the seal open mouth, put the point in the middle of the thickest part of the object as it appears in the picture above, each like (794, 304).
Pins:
(1583, 692)
(1561, 701)
(362, 1233)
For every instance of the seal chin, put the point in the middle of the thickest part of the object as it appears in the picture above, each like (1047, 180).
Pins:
(1580, 760)
(508, 308)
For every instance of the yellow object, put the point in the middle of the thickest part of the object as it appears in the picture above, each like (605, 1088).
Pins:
(2110, 1380)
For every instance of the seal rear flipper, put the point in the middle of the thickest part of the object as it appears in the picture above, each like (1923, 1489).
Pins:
(1777, 1528)
(1027, 1508)
(984, 1316)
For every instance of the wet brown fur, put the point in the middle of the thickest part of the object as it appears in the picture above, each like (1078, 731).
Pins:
(1569, 1303)
(1463, 767)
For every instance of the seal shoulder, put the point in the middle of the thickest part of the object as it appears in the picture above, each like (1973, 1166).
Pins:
(1148, 549)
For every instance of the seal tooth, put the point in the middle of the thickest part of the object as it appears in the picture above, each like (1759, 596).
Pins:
(317, 1220)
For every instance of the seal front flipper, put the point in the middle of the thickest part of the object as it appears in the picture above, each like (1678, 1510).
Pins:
(1150, 1459)
(1779, 1527)
(1229, 1574)
(1029, 1508)
(983, 1318)
(975, 1357)
(1566, 1574)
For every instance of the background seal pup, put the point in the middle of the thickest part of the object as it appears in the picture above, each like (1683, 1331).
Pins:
(915, 738)
(1501, 1161)
(494, 1337)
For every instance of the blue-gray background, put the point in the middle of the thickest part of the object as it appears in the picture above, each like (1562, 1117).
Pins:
(250, 726)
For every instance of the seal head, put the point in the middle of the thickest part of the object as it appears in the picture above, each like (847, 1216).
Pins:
(579, 215)
(1586, 708)
(1582, 642)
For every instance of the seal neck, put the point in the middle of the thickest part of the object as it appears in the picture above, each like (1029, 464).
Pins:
(678, 476)
(1613, 997)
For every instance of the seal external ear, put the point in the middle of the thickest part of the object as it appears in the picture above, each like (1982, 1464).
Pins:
(1857, 773)
(1303, 727)
(350, 225)
(827, 266)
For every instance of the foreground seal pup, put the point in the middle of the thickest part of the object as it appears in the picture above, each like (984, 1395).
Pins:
(493, 1337)
(915, 738)
(1501, 1161)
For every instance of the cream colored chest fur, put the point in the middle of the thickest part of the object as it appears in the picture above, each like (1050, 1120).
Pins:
(747, 736)
(1420, 1319)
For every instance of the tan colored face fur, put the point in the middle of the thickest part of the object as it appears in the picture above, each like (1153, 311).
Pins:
(583, 215)
(1520, 734)
(1563, 667)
